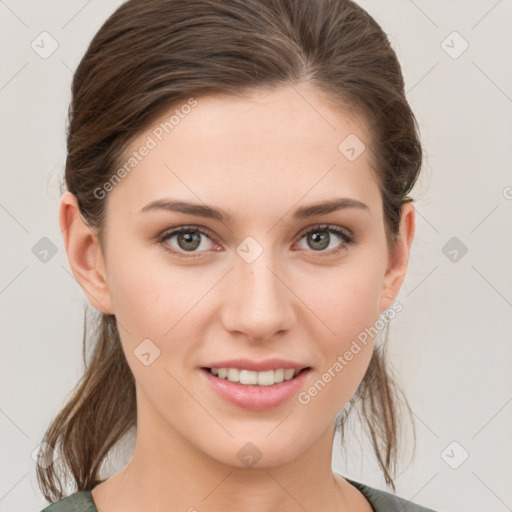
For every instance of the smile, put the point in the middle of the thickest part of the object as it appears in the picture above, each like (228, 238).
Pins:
(248, 377)
(254, 390)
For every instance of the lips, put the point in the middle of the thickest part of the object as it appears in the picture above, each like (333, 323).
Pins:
(256, 385)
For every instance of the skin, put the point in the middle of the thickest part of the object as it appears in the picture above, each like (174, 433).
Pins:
(278, 151)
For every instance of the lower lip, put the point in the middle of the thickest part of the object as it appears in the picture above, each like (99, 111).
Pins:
(256, 398)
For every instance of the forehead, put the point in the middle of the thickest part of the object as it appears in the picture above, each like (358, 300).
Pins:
(271, 147)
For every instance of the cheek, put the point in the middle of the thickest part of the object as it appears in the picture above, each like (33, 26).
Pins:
(356, 303)
(346, 299)
(150, 296)
(347, 302)
(154, 302)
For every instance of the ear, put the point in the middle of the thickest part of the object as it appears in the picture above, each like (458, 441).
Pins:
(85, 254)
(398, 257)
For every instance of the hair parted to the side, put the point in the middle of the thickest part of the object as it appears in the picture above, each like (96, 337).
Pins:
(151, 55)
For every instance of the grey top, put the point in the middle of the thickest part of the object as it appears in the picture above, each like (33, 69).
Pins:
(381, 501)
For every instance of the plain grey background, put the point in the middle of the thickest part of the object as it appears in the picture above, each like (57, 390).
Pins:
(451, 345)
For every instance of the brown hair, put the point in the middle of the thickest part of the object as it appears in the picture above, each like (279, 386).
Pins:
(150, 55)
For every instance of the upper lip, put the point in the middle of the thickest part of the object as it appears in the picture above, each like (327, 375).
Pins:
(257, 366)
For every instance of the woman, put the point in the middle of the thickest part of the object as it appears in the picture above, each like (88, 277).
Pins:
(237, 211)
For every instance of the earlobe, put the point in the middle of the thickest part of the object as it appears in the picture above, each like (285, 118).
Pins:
(399, 257)
(85, 254)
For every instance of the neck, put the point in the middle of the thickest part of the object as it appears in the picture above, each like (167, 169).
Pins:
(167, 472)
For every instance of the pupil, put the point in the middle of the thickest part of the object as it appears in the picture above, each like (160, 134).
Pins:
(322, 239)
(191, 240)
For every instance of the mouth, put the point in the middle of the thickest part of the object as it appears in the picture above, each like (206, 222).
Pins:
(255, 390)
(254, 378)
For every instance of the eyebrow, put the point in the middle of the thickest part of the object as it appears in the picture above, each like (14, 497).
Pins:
(227, 217)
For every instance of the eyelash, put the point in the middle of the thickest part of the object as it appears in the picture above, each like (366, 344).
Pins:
(347, 239)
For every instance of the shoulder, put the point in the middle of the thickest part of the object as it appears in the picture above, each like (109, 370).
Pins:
(383, 501)
(78, 502)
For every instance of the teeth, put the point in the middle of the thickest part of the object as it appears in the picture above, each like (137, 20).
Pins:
(267, 378)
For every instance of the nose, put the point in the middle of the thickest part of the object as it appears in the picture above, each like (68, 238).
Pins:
(259, 304)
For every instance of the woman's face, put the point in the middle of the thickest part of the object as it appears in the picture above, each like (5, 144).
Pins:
(272, 279)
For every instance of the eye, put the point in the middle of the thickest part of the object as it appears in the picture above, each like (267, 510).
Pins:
(320, 237)
(195, 240)
(189, 239)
